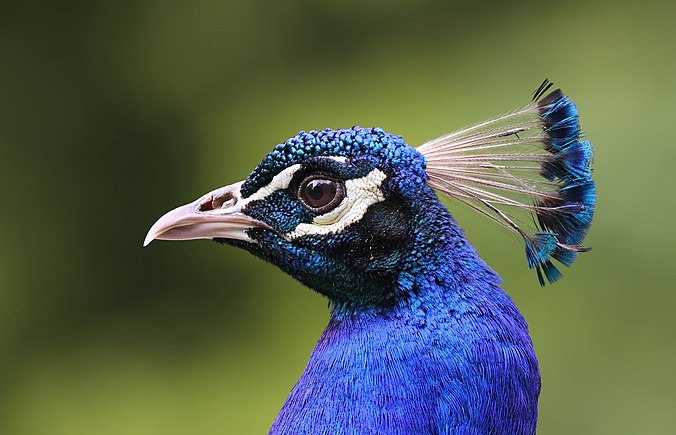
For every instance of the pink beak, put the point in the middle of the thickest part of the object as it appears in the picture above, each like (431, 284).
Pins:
(217, 214)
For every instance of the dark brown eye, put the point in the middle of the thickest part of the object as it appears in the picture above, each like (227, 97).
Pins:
(320, 193)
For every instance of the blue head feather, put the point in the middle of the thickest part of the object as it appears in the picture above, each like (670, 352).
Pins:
(569, 166)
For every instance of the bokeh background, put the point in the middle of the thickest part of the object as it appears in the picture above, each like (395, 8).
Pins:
(112, 113)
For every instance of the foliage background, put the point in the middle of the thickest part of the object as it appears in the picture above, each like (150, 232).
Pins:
(113, 112)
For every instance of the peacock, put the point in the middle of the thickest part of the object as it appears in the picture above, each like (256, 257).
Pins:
(421, 338)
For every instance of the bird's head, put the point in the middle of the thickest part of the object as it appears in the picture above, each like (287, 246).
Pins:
(353, 214)
(336, 209)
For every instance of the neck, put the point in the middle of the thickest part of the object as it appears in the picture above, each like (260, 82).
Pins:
(431, 259)
(452, 353)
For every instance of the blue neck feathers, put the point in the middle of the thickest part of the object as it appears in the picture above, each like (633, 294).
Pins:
(451, 354)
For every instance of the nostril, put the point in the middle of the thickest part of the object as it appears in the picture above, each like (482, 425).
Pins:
(223, 200)
(207, 205)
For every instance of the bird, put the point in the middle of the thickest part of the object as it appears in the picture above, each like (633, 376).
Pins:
(421, 338)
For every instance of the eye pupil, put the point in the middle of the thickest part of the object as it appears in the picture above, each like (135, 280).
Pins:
(321, 191)
(321, 194)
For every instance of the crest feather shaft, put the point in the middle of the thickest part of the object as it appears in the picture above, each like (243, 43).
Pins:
(527, 170)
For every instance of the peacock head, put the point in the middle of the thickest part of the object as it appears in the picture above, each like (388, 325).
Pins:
(336, 209)
(352, 213)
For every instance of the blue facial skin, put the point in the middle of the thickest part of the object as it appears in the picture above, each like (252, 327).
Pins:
(421, 338)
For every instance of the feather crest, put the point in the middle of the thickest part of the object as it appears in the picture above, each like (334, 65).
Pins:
(528, 171)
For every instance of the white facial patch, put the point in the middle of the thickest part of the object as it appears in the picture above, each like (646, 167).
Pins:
(360, 194)
(279, 182)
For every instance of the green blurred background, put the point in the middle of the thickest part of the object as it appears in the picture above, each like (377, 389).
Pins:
(111, 113)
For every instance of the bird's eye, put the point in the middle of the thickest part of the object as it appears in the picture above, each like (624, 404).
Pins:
(321, 193)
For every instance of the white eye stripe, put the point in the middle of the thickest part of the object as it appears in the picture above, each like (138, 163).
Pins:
(360, 194)
(279, 182)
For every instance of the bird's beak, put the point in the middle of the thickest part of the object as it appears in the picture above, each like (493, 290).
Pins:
(218, 214)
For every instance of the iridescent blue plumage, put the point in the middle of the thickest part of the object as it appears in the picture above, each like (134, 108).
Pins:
(421, 338)
(569, 167)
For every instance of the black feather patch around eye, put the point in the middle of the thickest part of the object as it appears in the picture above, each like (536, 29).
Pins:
(377, 243)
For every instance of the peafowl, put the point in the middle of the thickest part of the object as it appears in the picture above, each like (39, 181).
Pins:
(421, 338)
